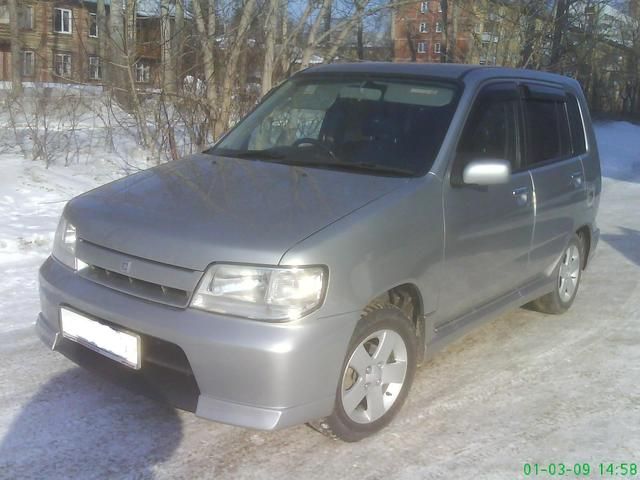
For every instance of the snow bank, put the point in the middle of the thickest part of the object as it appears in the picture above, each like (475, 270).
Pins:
(619, 145)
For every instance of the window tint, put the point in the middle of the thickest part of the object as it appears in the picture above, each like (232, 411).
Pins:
(490, 131)
(579, 145)
(548, 136)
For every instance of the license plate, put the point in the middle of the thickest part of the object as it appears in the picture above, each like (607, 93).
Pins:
(123, 347)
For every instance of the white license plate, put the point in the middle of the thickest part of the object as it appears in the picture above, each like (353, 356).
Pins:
(124, 347)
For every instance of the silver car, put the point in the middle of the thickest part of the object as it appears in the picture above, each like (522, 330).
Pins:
(359, 219)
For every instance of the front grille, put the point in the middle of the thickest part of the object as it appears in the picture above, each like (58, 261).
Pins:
(139, 288)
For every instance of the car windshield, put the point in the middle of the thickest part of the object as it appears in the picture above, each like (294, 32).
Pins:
(367, 125)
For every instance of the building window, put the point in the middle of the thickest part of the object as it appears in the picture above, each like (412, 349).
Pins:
(62, 20)
(95, 68)
(93, 25)
(440, 7)
(438, 27)
(143, 72)
(424, 7)
(62, 65)
(28, 63)
(423, 27)
(422, 47)
(436, 48)
(25, 17)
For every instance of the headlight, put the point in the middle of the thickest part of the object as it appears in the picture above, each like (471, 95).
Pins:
(262, 293)
(64, 244)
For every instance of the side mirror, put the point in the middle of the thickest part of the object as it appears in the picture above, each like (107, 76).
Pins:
(486, 172)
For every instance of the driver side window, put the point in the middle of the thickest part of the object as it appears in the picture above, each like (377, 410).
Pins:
(490, 132)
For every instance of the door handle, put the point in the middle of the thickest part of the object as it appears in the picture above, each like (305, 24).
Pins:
(521, 194)
(577, 180)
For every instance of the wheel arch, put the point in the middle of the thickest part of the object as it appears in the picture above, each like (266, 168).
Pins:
(407, 297)
(584, 232)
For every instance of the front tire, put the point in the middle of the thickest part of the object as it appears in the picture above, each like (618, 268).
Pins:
(568, 273)
(376, 375)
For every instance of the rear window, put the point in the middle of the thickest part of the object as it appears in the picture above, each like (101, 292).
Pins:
(578, 142)
(548, 133)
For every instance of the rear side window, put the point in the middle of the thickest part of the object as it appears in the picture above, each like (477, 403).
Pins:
(548, 133)
(578, 142)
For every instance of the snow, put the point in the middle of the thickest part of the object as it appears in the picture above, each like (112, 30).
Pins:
(523, 388)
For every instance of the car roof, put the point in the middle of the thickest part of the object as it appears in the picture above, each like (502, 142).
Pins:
(448, 71)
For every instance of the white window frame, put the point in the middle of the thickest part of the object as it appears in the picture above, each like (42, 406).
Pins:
(424, 27)
(95, 67)
(143, 72)
(438, 27)
(62, 11)
(23, 9)
(439, 7)
(31, 64)
(93, 21)
(4, 14)
(422, 47)
(60, 59)
(424, 7)
(437, 47)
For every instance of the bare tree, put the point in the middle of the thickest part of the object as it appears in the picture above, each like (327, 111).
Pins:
(16, 49)
(560, 24)
(103, 38)
(271, 26)
(166, 44)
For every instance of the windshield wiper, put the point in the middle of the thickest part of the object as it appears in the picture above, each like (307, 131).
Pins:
(357, 167)
(260, 154)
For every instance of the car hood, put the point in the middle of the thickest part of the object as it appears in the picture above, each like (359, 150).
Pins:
(208, 209)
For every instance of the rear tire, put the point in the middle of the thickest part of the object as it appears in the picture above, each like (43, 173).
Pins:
(376, 375)
(567, 273)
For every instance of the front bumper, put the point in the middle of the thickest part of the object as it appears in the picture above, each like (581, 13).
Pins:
(248, 373)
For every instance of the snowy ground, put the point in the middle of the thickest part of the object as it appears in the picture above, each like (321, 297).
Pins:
(524, 388)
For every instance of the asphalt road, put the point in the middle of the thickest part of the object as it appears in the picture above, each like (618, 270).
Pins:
(524, 388)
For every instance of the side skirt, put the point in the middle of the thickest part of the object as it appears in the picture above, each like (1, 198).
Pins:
(459, 327)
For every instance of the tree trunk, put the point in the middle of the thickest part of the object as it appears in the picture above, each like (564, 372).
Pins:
(271, 25)
(360, 30)
(119, 63)
(559, 28)
(206, 26)
(177, 45)
(311, 40)
(16, 49)
(444, 48)
(168, 67)
(103, 36)
(231, 71)
(526, 54)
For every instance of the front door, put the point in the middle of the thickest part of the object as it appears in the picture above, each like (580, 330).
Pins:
(488, 229)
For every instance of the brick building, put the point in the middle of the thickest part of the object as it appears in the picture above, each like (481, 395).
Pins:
(60, 42)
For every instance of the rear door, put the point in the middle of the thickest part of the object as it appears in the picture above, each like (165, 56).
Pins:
(487, 228)
(556, 170)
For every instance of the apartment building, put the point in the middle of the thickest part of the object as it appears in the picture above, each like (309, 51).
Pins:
(60, 42)
(482, 31)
